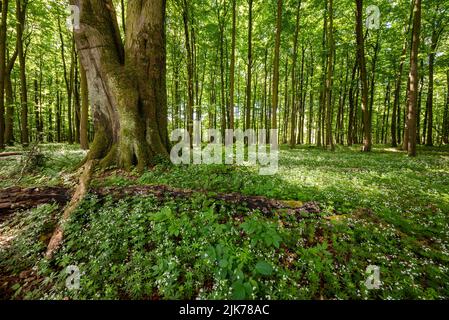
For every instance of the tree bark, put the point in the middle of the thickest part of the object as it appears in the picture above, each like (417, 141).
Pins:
(21, 6)
(395, 136)
(275, 93)
(414, 79)
(3, 27)
(330, 78)
(84, 121)
(293, 75)
(126, 84)
(232, 68)
(190, 101)
(367, 143)
(249, 67)
(429, 104)
(446, 113)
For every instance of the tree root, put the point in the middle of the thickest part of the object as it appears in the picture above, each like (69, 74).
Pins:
(79, 194)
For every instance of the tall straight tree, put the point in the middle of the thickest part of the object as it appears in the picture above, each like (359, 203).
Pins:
(330, 77)
(21, 6)
(68, 78)
(293, 75)
(232, 68)
(277, 46)
(126, 82)
(84, 121)
(190, 71)
(446, 113)
(398, 85)
(414, 79)
(9, 95)
(249, 66)
(3, 27)
(437, 29)
(367, 143)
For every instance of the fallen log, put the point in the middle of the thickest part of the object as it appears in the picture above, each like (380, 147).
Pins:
(264, 204)
(13, 199)
(10, 154)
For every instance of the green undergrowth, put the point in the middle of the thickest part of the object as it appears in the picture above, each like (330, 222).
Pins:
(382, 209)
(57, 161)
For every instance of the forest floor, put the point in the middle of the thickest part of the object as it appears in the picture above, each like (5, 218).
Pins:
(222, 232)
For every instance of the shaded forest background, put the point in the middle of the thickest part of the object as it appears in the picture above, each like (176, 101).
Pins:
(288, 64)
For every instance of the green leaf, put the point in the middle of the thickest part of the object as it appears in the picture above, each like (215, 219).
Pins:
(264, 268)
(238, 291)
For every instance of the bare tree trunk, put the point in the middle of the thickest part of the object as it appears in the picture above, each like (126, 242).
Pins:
(20, 16)
(84, 121)
(232, 68)
(275, 93)
(221, 26)
(126, 84)
(293, 75)
(414, 79)
(249, 66)
(190, 102)
(446, 114)
(367, 143)
(312, 68)
(330, 76)
(3, 27)
(39, 136)
(433, 47)
(352, 106)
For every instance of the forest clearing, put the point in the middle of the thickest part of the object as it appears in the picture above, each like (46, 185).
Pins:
(224, 150)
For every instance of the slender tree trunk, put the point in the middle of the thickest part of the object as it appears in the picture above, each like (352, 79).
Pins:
(249, 66)
(321, 116)
(352, 106)
(293, 75)
(20, 16)
(232, 68)
(367, 143)
(39, 137)
(330, 77)
(190, 102)
(418, 112)
(275, 93)
(446, 113)
(84, 121)
(221, 26)
(3, 27)
(9, 103)
(312, 68)
(429, 105)
(77, 95)
(395, 128)
(414, 79)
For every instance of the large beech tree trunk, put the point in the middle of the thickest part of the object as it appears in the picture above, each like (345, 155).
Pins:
(126, 84)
